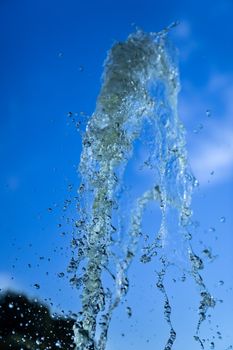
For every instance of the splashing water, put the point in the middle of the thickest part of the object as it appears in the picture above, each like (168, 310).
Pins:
(138, 95)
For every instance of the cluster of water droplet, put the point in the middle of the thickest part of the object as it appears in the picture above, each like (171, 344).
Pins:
(28, 324)
(140, 87)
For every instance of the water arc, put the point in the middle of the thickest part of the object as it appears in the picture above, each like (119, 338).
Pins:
(140, 86)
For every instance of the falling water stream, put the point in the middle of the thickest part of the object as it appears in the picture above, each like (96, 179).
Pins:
(137, 101)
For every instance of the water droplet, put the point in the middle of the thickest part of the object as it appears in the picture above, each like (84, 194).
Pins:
(196, 261)
(61, 274)
(212, 345)
(183, 278)
(145, 258)
(10, 305)
(76, 282)
(129, 311)
(58, 344)
(207, 252)
(198, 128)
(188, 236)
(208, 113)
(37, 286)
(222, 219)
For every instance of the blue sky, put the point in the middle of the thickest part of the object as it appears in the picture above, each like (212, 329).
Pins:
(52, 54)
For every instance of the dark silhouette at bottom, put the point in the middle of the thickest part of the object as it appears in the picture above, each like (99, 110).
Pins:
(28, 324)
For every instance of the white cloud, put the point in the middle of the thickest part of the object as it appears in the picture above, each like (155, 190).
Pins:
(6, 282)
(213, 161)
(183, 30)
(184, 36)
(212, 149)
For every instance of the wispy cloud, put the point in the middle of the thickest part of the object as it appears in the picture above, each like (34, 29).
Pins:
(183, 30)
(6, 282)
(212, 161)
(211, 151)
(184, 36)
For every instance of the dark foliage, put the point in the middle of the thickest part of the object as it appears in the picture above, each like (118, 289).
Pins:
(28, 324)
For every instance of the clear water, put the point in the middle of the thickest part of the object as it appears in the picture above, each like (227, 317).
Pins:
(137, 104)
